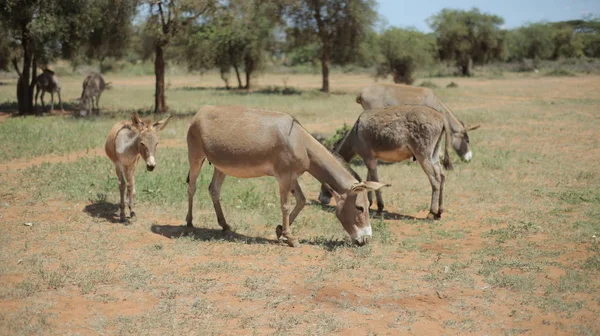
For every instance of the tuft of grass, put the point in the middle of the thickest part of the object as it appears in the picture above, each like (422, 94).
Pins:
(428, 84)
(513, 231)
(558, 72)
(515, 282)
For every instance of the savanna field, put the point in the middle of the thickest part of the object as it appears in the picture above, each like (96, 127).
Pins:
(517, 250)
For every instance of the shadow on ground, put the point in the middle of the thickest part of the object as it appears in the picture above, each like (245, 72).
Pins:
(269, 90)
(100, 208)
(204, 234)
(373, 213)
(12, 107)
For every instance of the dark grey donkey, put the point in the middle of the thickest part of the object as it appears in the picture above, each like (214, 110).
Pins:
(47, 82)
(93, 86)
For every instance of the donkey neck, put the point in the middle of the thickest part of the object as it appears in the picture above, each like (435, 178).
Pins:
(126, 143)
(345, 149)
(454, 123)
(327, 168)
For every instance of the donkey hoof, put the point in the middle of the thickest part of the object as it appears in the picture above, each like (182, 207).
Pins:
(132, 214)
(293, 242)
(279, 231)
(187, 230)
(122, 218)
(434, 216)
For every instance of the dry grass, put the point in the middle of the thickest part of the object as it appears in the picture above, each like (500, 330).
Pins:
(514, 253)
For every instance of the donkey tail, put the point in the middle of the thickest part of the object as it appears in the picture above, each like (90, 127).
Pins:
(446, 160)
(188, 178)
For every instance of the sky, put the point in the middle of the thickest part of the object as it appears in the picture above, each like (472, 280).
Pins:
(401, 13)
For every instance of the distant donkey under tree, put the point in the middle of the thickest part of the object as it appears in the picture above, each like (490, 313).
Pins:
(47, 82)
(93, 86)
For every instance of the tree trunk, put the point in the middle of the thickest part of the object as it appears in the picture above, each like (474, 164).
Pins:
(325, 67)
(25, 83)
(159, 71)
(225, 77)
(237, 74)
(249, 70)
(466, 67)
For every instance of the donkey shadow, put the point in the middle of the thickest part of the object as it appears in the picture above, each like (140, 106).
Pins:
(372, 213)
(205, 234)
(100, 208)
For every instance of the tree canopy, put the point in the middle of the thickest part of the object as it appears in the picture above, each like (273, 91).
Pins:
(337, 26)
(468, 37)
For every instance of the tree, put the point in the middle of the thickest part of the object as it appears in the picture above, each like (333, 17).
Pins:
(238, 33)
(533, 41)
(111, 33)
(42, 30)
(403, 51)
(468, 37)
(566, 42)
(338, 26)
(164, 23)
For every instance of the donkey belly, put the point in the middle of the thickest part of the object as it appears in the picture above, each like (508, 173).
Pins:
(395, 155)
(242, 170)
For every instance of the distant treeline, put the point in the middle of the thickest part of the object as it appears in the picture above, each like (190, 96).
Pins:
(241, 37)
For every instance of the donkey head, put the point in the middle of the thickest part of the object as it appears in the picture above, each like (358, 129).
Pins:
(460, 141)
(148, 138)
(352, 210)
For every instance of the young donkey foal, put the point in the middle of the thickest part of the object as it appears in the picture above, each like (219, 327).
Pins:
(395, 134)
(126, 142)
(246, 143)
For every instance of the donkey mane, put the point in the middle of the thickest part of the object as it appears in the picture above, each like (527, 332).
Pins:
(335, 155)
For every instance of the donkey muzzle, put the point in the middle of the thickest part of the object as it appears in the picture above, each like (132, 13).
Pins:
(149, 167)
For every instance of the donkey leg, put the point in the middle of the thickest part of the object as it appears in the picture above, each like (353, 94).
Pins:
(374, 176)
(60, 100)
(215, 194)
(300, 203)
(121, 178)
(434, 180)
(442, 183)
(98, 103)
(285, 187)
(42, 99)
(37, 92)
(130, 174)
(195, 165)
(51, 102)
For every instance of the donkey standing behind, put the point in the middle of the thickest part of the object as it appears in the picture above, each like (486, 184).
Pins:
(47, 81)
(93, 86)
(126, 142)
(395, 134)
(247, 143)
(380, 95)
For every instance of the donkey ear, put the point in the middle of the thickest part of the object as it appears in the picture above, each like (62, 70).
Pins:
(160, 125)
(472, 128)
(137, 122)
(372, 185)
(367, 186)
(333, 192)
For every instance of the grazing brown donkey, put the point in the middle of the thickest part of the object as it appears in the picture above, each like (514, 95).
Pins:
(126, 142)
(395, 134)
(380, 95)
(47, 81)
(93, 86)
(246, 143)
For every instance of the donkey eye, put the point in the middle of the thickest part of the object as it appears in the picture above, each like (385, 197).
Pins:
(359, 208)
